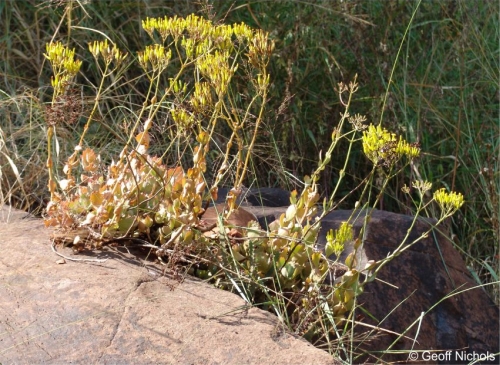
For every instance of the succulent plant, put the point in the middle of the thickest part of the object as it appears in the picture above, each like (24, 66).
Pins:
(137, 196)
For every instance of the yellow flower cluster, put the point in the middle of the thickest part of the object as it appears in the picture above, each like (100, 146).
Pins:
(109, 54)
(215, 66)
(380, 146)
(242, 32)
(64, 66)
(167, 26)
(182, 118)
(335, 241)
(404, 148)
(155, 56)
(448, 202)
(198, 29)
(210, 47)
(201, 99)
(213, 48)
(260, 49)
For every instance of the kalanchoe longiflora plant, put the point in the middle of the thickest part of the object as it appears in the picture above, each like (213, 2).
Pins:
(137, 196)
(288, 252)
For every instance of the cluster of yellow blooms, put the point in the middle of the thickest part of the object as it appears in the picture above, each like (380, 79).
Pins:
(198, 29)
(109, 54)
(64, 66)
(156, 56)
(215, 66)
(448, 202)
(199, 36)
(335, 241)
(381, 146)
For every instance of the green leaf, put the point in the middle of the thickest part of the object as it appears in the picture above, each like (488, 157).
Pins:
(311, 136)
(329, 249)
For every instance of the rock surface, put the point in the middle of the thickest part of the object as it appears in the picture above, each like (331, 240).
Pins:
(124, 311)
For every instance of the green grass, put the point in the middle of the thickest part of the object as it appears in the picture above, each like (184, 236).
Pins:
(444, 93)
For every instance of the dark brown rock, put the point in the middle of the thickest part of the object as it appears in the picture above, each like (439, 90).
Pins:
(423, 279)
(420, 280)
(258, 197)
